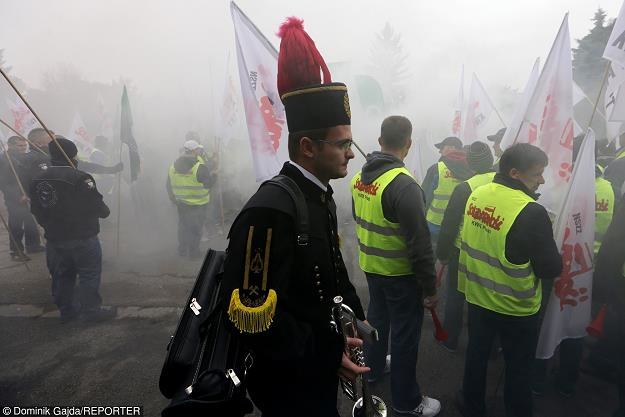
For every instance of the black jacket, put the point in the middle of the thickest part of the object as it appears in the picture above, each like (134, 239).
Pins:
(403, 203)
(8, 183)
(66, 203)
(531, 236)
(615, 173)
(298, 357)
(184, 164)
(452, 219)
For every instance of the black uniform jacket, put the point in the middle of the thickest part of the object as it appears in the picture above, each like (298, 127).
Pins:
(298, 356)
(66, 203)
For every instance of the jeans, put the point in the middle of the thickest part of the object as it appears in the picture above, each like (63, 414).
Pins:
(71, 258)
(518, 336)
(396, 306)
(22, 226)
(454, 302)
(191, 221)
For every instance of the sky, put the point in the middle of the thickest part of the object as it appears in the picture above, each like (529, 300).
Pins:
(181, 50)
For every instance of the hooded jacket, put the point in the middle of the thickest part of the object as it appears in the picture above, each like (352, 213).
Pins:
(456, 161)
(403, 203)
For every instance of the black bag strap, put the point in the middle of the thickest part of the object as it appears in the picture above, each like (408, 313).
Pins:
(291, 187)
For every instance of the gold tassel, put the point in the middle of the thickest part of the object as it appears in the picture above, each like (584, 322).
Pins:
(252, 319)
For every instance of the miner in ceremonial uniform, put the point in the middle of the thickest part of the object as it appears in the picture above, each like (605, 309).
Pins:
(67, 204)
(279, 285)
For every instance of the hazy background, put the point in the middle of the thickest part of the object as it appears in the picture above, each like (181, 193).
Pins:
(177, 56)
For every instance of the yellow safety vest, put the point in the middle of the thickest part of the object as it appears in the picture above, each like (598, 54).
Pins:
(604, 208)
(475, 182)
(488, 278)
(446, 184)
(186, 188)
(382, 248)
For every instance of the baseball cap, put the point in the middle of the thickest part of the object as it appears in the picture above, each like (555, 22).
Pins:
(450, 141)
(192, 145)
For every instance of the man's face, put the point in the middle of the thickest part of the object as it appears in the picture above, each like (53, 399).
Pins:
(532, 178)
(18, 147)
(332, 156)
(445, 150)
(41, 139)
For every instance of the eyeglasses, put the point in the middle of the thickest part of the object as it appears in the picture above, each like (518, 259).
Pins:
(343, 144)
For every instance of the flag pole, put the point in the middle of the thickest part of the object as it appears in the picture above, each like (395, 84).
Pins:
(119, 199)
(18, 134)
(594, 110)
(37, 117)
(359, 150)
(219, 185)
(23, 256)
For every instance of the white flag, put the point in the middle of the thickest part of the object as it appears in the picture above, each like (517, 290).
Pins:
(615, 48)
(78, 134)
(266, 121)
(615, 78)
(568, 312)
(549, 120)
(23, 119)
(479, 110)
(456, 125)
(514, 129)
(229, 109)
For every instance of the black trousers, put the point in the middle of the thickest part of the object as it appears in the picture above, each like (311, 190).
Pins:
(395, 308)
(454, 302)
(518, 336)
(191, 221)
(22, 227)
(571, 351)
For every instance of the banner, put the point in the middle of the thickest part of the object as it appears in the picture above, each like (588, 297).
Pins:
(456, 125)
(568, 311)
(549, 120)
(515, 128)
(479, 110)
(78, 134)
(264, 112)
(126, 136)
(615, 48)
(23, 119)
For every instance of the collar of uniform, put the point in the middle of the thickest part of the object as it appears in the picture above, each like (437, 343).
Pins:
(514, 184)
(310, 189)
(310, 177)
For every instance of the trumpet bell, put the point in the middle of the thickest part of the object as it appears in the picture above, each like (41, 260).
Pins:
(379, 408)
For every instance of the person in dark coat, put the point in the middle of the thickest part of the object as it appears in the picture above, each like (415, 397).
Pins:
(279, 289)
(24, 233)
(66, 203)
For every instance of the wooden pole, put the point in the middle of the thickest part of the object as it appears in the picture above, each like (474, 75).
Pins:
(23, 256)
(359, 150)
(18, 134)
(36, 117)
(119, 199)
(594, 110)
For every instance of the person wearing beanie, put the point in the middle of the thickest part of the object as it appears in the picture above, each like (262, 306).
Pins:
(279, 280)
(480, 161)
(66, 203)
(441, 179)
(389, 211)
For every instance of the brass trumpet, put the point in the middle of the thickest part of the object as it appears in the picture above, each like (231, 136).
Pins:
(346, 323)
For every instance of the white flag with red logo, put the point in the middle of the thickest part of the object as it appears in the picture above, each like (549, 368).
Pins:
(615, 48)
(479, 110)
(515, 128)
(568, 311)
(266, 120)
(548, 122)
(78, 134)
(456, 124)
(23, 119)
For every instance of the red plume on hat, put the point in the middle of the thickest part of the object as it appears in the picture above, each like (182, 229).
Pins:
(299, 63)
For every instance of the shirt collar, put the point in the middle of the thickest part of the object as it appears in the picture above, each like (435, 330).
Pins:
(310, 176)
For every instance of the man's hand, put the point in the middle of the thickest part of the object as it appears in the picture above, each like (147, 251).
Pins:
(349, 370)
(431, 301)
(443, 261)
(24, 200)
